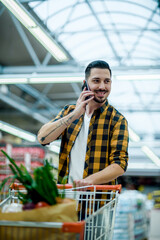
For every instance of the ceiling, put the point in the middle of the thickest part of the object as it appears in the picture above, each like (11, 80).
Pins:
(124, 33)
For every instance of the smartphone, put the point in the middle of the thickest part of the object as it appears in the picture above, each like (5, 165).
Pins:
(85, 85)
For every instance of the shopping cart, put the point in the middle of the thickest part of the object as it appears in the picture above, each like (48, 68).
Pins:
(96, 206)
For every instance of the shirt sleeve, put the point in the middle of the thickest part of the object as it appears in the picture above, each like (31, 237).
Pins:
(119, 144)
(65, 111)
(61, 114)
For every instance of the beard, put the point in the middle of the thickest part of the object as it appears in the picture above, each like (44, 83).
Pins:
(99, 100)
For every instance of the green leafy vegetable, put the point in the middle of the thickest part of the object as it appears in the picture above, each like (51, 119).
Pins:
(40, 187)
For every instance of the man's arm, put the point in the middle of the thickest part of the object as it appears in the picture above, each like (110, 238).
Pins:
(104, 176)
(52, 130)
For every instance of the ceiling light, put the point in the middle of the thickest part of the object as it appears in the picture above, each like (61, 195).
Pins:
(19, 12)
(40, 34)
(133, 136)
(138, 77)
(151, 155)
(6, 79)
(55, 79)
(49, 44)
(17, 132)
(50, 78)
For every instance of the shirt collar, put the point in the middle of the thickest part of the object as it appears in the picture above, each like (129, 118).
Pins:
(101, 109)
(104, 106)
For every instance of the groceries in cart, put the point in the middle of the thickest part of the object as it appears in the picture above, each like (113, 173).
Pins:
(42, 209)
(40, 190)
(13, 207)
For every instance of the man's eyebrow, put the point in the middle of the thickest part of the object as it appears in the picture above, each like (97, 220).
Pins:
(100, 78)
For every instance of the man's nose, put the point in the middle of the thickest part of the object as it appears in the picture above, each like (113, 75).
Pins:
(102, 85)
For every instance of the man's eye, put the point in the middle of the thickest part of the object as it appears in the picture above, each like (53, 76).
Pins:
(107, 81)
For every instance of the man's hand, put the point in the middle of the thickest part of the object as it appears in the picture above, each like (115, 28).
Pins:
(82, 102)
(83, 183)
(102, 177)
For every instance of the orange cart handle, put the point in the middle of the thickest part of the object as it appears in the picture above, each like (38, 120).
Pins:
(118, 187)
(98, 187)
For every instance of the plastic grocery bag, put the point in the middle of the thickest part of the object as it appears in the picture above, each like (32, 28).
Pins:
(64, 212)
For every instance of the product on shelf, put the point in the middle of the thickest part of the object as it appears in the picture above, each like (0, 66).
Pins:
(131, 216)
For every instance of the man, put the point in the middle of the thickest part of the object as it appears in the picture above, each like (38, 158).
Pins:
(94, 146)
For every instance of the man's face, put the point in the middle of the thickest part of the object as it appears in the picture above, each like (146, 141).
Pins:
(99, 82)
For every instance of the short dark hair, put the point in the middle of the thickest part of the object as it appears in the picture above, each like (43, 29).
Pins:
(96, 64)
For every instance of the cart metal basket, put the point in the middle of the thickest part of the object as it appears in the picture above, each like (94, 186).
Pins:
(96, 206)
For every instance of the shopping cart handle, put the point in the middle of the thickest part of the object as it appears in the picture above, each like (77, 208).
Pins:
(109, 187)
(118, 187)
(92, 187)
(64, 186)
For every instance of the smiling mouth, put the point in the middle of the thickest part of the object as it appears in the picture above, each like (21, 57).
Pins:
(100, 93)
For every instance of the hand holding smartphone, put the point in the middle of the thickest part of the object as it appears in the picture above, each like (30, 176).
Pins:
(85, 85)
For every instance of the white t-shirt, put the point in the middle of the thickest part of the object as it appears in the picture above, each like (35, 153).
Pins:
(78, 152)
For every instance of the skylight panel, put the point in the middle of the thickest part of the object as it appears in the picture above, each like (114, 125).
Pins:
(79, 40)
(56, 22)
(73, 24)
(98, 6)
(41, 9)
(149, 86)
(93, 48)
(139, 61)
(34, 4)
(105, 19)
(138, 6)
(156, 17)
(144, 51)
(80, 24)
(80, 10)
(125, 17)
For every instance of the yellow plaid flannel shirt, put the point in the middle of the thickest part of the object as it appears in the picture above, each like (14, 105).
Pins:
(107, 140)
